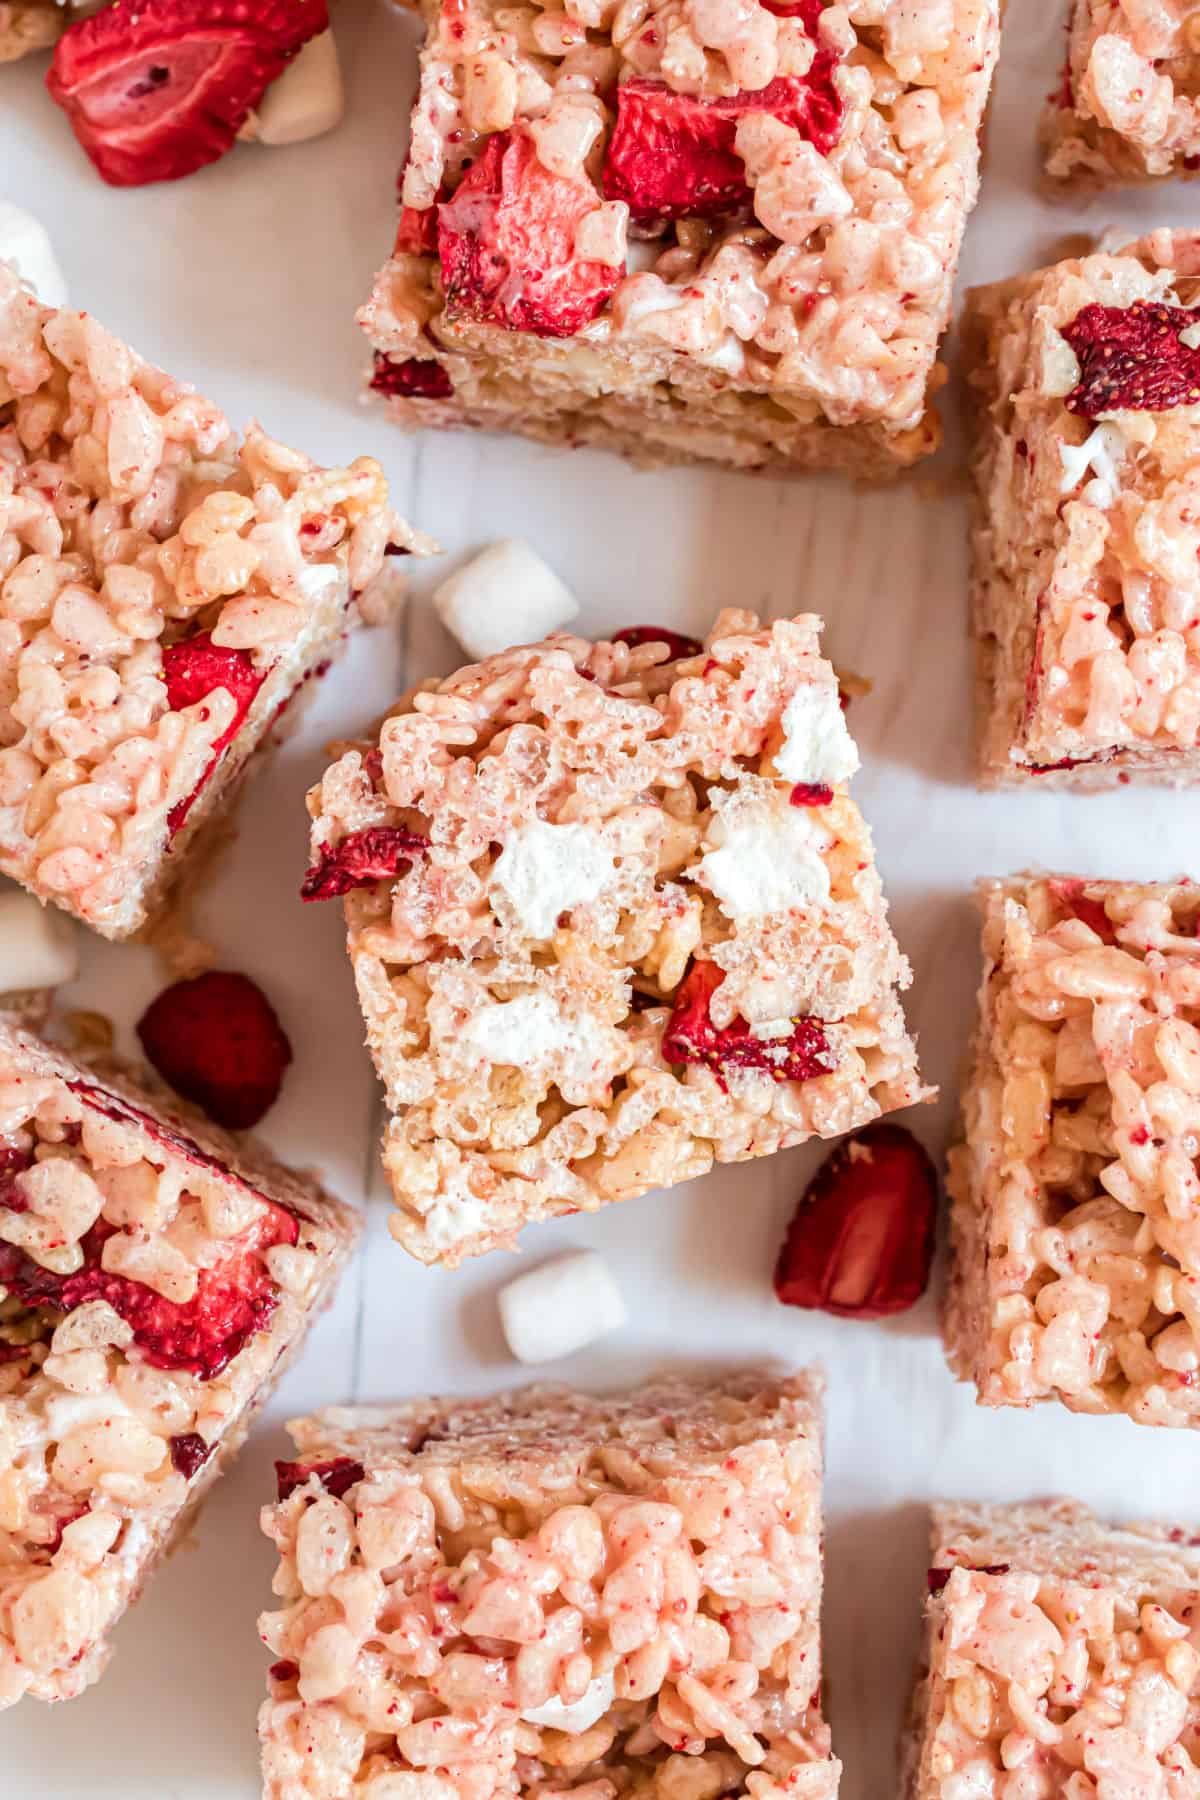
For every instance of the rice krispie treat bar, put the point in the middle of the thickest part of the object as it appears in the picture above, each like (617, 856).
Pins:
(613, 916)
(164, 593)
(1127, 108)
(547, 1593)
(722, 230)
(1075, 1262)
(1085, 379)
(155, 1280)
(1061, 1657)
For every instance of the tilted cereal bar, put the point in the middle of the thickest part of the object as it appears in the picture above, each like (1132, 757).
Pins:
(1060, 1658)
(1086, 383)
(164, 593)
(1126, 110)
(1075, 1258)
(613, 916)
(153, 1286)
(721, 229)
(547, 1593)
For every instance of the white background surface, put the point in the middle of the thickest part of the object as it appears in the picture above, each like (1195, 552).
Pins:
(244, 278)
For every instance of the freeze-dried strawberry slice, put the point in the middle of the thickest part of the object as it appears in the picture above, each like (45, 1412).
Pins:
(416, 233)
(1072, 896)
(416, 378)
(507, 244)
(189, 1453)
(1131, 358)
(691, 1036)
(216, 1039)
(811, 793)
(808, 10)
(193, 669)
(677, 642)
(364, 856)
(672, 156)
(234, 1297)
(861, 1242)
(337, 1476)
(157, 88)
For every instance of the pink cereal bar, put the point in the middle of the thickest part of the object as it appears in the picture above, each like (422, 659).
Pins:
(164, 593)
(1125, 110)
(1075, 1271)
(725, 231)
(548, 1593)
(1086, 584)
(1060, 1658)
(155, 1280)
(613, 917)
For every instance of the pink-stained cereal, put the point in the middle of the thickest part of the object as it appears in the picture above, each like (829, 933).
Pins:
(1060, 1657)
(164, 592)
(1075, 1257)
(155, 1280)
(1085, 383)
(723, 230)
(635, 929)
(548, 1594)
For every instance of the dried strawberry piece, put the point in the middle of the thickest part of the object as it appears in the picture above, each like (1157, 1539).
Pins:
(189, 1453)
(337, 1476)
(677, 642)
(417, 232)
(234, 1297)
(286, 1670)
(217, 1040)
(808, 10)
(672, 156)
(936, 1579)
(417, 378)
(193, 669)
(1131, 358)
(691, 1036)
(861, 1242)
(13, 1162)
(1071, 895)
(811, 793)
(507, 244)
(156, 88)
(373, 854)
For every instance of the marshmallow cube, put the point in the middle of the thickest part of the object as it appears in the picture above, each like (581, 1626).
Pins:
(507, 595)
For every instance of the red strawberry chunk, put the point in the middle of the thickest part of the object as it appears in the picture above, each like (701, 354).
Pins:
(416, 233)
(189, 1453)
(337, 1476)
(1131, 358)
(691, 1036)
(861, 1242)
(157, 88)
(1092, 912)
(677, 642)
(217, 1040)
(811, 793)
(193, 669)
(672, 156)
(285, 1670)
(372, 854)
(416, 378)
(507, 244)
(808, 10)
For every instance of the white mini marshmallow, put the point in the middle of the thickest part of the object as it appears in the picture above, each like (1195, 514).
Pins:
(507, 595)
(567, 1303)
(38, 947)
(25, 243)
(307, 100)
(581, 1714)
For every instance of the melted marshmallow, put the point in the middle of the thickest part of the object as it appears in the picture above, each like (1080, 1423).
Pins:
(546, 870)
(817, 748)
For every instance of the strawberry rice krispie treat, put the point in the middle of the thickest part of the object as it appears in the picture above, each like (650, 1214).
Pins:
(164, 593)
(547, 1593)
(1085, 379)
(1127, 108)
(1075, 1258)
(613, 917)
(155, 1280)
(686, 229)
(1061, 1657)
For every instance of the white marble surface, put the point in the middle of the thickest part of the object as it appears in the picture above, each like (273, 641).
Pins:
(244, 278)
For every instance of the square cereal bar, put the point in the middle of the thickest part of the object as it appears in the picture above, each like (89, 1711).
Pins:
(548, 1593)
(1075, 1261)
(1085, 380)
(613, 917)
(1060, 1658)
(154, 1284)
(164, 593)
(1127, 107)
(721, 230)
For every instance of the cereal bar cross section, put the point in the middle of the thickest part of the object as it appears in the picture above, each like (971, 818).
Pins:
(1075, 1252)
(613, 917)
(1061, 1657)
(155, 1280)
(548, 1593)
(1085, 381)
(686, 229)
(165, 592)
